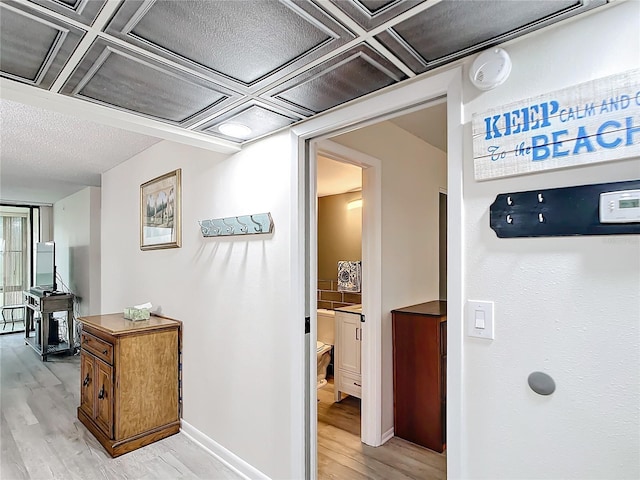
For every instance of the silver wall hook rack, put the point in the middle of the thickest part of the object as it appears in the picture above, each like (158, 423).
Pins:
(255, 224)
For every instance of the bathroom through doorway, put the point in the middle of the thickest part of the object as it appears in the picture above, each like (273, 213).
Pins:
(339, 298)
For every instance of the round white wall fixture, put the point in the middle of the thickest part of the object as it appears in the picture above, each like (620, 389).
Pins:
(490, 69)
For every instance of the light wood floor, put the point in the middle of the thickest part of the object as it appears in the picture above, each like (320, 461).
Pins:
(341, 455)
(41, 437)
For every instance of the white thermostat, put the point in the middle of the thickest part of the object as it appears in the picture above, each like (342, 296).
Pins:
(620, 207)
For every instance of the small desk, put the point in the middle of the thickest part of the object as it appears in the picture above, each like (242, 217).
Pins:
(48, 304)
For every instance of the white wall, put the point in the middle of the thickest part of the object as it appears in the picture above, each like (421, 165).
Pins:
(412, 174)
(566, 306)
(76, 231)
(231, 293)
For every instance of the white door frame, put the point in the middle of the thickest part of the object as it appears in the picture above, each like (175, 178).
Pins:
(370, 420)
(371, 295)
(447, 83)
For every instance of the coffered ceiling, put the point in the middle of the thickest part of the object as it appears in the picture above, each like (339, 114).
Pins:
(263, 64)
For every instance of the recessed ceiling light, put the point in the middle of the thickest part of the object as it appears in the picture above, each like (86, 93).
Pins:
(236, 130)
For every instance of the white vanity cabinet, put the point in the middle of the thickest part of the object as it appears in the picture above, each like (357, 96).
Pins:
(347, 371)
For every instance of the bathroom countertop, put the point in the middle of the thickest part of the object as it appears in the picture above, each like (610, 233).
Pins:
(357, 309)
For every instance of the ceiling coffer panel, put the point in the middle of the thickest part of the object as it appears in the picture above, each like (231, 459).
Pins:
(83, 11)
(348, 76)
(373, 13)
(34, 48)
(452, 29)
(117, 77)
(242, 43)
(259, 117)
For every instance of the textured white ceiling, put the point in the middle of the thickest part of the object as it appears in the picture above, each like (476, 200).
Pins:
(46, 156)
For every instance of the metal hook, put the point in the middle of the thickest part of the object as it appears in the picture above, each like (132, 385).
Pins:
(540, 218)
(509, 219)
(509, 200)
(203, 228)
(229, 227)
(540, 198)
(244, 228)
(259, 226)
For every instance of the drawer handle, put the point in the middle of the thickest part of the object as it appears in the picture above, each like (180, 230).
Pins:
(104, 352)
(357, 384)
(86, 380)
(86, 340)
(101, 393)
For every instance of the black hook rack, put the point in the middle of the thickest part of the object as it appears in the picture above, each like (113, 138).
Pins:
(557, 212)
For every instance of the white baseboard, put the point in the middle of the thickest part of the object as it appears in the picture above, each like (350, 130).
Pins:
(231, 460)
(386, 436)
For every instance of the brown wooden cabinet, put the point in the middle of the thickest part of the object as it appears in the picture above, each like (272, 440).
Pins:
(129, 373)
(419, 373)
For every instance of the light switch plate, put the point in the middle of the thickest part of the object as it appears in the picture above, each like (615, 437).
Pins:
(480, 312)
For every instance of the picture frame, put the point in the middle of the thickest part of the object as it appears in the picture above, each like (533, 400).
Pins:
(161, 212)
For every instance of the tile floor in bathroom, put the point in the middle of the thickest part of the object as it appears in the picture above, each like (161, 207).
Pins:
(341, 454)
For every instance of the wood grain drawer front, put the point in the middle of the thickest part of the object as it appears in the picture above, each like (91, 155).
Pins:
(101, 349)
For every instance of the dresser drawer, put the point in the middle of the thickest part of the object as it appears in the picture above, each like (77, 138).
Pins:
(351, 383)
(101, 349)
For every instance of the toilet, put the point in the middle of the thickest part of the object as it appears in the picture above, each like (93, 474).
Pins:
(326, 338)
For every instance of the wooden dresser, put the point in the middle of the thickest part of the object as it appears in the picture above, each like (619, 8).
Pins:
(420, 373)
(129, 380)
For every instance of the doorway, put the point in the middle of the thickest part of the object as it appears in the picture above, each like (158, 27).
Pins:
(339, 261)
(16, 232)
(306, 137)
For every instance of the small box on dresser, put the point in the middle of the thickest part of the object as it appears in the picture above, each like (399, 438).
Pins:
(129, 374)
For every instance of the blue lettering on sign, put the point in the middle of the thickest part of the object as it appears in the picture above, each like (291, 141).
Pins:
(601, 141)
(583, 141)
(495, 153)
(539, 148)
(577, 113)
(522, 120)
(631, 130)
(522, 150)
(610, 134)
(614, 104)
(557, 143)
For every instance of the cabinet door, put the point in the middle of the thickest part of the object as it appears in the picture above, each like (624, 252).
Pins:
(104, 397)
(87, 385)
(350, 335)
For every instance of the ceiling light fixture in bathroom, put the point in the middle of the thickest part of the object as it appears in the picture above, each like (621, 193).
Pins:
(236, 130)
(354, 204)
